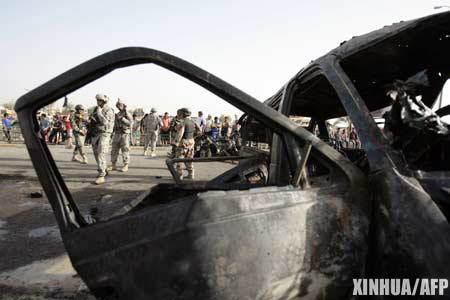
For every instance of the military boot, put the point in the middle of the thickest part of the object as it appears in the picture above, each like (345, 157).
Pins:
(84, 161)
(113, 167)
(190, 175)
(180, 173)
(99, 180)
(125, 168)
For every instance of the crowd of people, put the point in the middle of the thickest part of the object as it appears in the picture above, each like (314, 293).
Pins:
(345, 138)
(58, 129)
(214, 127)
(104, 128)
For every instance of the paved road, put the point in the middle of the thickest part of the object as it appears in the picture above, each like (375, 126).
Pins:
(33, 260)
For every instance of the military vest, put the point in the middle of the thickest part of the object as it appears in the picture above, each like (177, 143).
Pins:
(152, 122)
(108, 125)
(122, 122)
(78, 123)
(189, 129)
(173, 127)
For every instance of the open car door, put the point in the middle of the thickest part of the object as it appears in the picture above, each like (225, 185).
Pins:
(222, 239)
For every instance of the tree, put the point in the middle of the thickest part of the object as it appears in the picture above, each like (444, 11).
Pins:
(49, 109)
(9, 104)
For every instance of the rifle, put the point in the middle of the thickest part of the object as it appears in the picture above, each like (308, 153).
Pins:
(91, 127)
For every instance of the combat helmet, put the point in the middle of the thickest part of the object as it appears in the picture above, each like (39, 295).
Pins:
(120, 102)
(79, 107)
(102, 97)
(185, 112)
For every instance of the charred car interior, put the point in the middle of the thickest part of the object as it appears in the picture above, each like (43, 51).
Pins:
(300, 219)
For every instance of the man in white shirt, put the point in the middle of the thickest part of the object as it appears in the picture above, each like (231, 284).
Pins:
(208, 125)
(200, 121)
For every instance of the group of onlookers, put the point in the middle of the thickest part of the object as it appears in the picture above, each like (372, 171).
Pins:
(345, 138)
(56, 129)
(150, 125)
(215, 127)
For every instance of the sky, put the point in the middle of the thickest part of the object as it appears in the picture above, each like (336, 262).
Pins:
(256, 46)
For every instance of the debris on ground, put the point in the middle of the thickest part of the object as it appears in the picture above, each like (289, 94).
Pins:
(36, 195)
(106, 199)
(47, 231)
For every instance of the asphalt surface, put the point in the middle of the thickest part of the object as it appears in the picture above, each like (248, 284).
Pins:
(33, 261)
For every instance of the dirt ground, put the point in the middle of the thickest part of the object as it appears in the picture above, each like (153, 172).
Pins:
(33, 261)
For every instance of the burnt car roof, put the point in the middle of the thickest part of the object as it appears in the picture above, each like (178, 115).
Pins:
(372, 61)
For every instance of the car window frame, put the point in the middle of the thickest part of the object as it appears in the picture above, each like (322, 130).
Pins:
(379, 153)
(66, 211)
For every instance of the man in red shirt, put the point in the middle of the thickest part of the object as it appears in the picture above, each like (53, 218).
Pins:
(69, 144)
(166, 123)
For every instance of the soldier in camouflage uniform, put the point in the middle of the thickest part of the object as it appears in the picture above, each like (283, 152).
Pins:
(135, 131)
(152, 125)
(78, 122)
(186, 130)
(102, 122)
(142, 130)
(173, 131)
(121, 137)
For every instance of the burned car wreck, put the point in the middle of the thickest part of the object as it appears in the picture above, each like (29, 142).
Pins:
(315, 219)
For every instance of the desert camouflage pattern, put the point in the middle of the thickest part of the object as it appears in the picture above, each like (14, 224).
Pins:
(78, 122)
(152, 125)
(121, 137)
(104, 124)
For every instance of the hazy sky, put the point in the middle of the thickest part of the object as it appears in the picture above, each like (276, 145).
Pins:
(255, 45)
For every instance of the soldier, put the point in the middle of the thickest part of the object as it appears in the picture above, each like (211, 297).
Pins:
(121, 137)
(78, 122)
(135, 130)
(173, 131)
(184, 141)
(142, 130)
(102, 122)
(152, 125)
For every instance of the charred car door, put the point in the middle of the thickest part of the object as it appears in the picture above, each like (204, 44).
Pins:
(222, 239)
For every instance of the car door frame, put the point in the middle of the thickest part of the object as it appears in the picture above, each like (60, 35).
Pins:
(66, 212)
